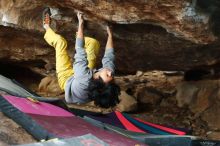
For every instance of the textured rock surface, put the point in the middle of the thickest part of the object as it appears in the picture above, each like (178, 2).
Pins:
(202, 98)
(214, 135)
(11, 133)
(167, 35)
(211, 116)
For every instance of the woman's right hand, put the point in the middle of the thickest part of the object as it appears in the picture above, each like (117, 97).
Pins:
(80, 17)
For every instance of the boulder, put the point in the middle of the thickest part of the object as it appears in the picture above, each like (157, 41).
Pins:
(197, 95)
(49, 87)
(127, 103)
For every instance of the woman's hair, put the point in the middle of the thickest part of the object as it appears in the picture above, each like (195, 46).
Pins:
(104, 95)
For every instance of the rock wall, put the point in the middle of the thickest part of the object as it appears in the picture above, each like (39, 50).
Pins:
(202, 98)
(165, 35)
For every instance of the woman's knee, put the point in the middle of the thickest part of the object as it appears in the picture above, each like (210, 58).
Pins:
(61, 41)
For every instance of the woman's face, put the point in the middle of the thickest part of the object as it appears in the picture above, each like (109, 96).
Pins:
(106, 75)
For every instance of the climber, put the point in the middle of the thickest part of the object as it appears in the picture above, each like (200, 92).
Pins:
(82, 82)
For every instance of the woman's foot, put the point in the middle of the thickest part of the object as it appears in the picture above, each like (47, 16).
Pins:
(46, 18)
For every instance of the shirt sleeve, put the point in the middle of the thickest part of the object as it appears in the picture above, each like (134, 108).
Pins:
(108, 59)
(80, 65)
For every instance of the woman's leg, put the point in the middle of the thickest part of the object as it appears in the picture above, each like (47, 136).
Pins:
(92, 50)
(63, 63)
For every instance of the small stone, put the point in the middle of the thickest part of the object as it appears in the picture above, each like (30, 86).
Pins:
(139, 73)
(209, 132)
(143, 80)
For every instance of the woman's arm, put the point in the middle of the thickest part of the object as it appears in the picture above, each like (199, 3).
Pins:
(109, 57)
(81, 64)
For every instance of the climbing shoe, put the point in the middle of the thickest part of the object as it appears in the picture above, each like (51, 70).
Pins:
(46, 16)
